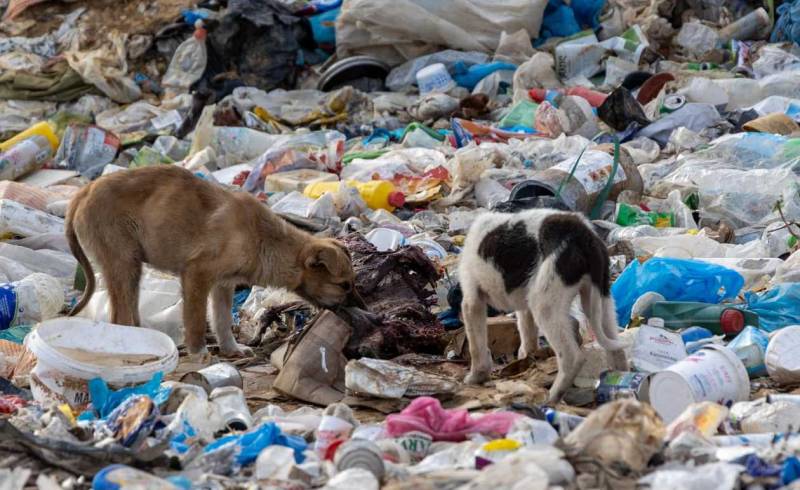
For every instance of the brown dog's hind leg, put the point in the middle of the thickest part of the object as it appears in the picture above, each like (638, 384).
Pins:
(122, 277)
(196, 285)
(221, 320)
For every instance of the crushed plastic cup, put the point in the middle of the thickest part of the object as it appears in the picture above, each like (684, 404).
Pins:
(713, 373)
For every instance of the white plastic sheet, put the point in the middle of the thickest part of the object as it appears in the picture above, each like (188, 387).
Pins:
(404, 29)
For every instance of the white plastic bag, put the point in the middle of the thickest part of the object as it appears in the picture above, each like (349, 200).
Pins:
(106, 68)
(403, 29)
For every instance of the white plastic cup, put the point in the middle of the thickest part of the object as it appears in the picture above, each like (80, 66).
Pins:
(434, 78)
(713, 373)
(781, 359)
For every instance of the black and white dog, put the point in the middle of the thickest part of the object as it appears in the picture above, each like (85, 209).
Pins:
(535, 263)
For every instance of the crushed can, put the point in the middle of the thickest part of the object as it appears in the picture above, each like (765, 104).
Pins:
(614, 385)
(214, 376)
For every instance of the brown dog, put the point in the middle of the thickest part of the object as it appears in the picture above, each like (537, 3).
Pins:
(212, 238)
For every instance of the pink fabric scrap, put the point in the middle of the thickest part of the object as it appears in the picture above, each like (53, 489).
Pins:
(425, 414)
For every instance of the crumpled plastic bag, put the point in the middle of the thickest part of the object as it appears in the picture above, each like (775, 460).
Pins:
(106, 68)
(776, 308)
(676, 280)
(623, 432)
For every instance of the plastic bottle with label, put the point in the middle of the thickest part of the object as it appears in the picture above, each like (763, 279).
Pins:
(378, 194)
(188, 63)
(25, 157)
(33, 299)
(43, 128)
(719, 319)
(594, 97)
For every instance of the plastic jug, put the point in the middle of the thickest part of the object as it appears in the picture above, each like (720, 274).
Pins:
(188, 63)
(25, 157)
(43, 128)
(719, 319)
(378, 194)
(37, 297)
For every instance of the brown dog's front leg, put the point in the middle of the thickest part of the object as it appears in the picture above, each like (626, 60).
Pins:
(196, 286)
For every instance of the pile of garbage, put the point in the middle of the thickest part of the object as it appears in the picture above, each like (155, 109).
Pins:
(672, 126)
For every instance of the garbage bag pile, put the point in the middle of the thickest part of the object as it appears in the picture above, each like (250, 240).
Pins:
(672, 127)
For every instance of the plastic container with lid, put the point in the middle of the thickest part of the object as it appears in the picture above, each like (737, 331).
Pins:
(714, 373)
(434, 78)
(378, 194)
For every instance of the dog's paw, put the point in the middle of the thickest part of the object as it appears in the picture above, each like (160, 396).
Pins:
(554, 398)
(236, 350)
(524, 352)
(476, 378)
(201, 357)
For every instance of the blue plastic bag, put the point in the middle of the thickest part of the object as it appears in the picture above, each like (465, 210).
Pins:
(468, 77)
(105, 400)
(676, 280)
(255, 440)
(778, 307)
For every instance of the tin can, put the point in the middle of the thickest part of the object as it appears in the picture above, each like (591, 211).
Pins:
(672, 103)
(614, 385)
(360, 453)
(233, 406)
(214, 376)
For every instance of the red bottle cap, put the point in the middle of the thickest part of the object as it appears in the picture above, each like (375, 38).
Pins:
(396, 199)
(731, 321)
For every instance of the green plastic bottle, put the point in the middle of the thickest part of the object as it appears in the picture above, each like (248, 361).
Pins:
(720, 319)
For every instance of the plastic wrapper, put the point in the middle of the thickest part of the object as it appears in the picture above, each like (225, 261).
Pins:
(106, 68)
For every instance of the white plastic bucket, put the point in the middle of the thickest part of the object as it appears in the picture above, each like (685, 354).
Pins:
(434, 78)
(713, 373)
(71, 351)
(783, 363)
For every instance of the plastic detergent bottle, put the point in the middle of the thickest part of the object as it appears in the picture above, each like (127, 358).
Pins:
(33, 299)
(188, 63)
(43, 128)
(378, 194)
(25, 157)
(719, 319)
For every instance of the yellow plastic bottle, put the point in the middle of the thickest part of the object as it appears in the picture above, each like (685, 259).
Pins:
(378, 194)
(43, 128)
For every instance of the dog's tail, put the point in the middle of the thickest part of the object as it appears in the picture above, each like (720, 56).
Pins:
(83, 261)
(602, 317)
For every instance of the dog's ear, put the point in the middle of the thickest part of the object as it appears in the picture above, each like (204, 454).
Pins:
(322, 254)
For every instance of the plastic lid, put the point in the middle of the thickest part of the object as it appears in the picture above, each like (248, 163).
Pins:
(731, 321)
(396, 199)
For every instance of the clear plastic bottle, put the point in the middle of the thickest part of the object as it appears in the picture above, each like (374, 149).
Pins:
(43, 128)
(188, 63)
(25, 157)
(33, 299)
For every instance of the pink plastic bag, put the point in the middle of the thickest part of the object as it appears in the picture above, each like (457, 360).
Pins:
(425, 414)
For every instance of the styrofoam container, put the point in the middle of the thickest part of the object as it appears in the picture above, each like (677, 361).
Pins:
(713, 373)
(296, 180)
(385, 239)
(434, 78)
(783, 363)
(71, 351)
